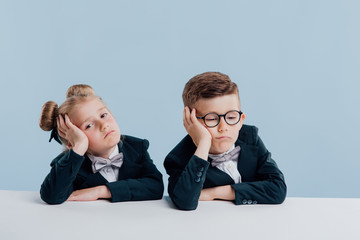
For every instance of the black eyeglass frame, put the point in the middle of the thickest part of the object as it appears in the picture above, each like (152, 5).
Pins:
(221, 115)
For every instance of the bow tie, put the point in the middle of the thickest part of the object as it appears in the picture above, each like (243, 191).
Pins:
(99, 162)
(232, 155)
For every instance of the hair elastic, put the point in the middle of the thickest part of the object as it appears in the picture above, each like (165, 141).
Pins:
(54, 135)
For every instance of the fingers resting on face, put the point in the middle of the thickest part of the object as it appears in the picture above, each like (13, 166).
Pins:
(186, 114)
(65, 126)
(61, 126)
(195, 129)
(190, 119)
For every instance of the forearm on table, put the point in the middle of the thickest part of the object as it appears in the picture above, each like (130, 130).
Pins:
(103, 191)
(225, 192)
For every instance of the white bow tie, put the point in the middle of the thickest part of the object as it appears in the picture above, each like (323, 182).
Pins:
(232, 155)
(100, 162)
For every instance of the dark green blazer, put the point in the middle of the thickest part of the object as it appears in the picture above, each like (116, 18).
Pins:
(262, 181)
(139, 178)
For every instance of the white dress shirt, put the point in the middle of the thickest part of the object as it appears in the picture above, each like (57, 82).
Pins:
(229, 167)
(110, 173)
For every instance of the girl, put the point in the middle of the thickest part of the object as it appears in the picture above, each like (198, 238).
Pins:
(99, 162)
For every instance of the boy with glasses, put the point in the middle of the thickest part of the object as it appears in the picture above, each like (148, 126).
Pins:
(220, 158)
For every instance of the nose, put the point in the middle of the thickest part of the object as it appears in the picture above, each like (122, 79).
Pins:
(222, 126)
(104, 126)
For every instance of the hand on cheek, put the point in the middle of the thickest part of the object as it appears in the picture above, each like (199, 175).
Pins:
(77, 139)
(195, 129)
(198, 132)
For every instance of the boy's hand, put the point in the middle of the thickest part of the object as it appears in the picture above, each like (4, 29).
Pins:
(76, 138)
(195, 129)
(198, 132)
(225, 192)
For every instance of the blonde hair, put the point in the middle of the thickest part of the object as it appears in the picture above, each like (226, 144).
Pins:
(50, 111)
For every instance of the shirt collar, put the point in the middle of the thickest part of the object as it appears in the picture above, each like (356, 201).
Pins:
(116, 151)
(222, 154)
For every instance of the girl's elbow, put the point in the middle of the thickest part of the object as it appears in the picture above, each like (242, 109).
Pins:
(157, 190)
(158, 194)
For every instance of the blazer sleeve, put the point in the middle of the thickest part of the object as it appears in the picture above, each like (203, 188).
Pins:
(149, 186)
(58, 184)
(186, 176)
(269, 186)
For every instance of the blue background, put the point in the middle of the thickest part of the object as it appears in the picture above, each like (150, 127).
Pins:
(296, 64)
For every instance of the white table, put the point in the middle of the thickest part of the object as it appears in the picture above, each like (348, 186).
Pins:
(23, 215)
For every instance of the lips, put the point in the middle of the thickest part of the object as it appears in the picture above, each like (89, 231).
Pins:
(109, 133)
(223, 138)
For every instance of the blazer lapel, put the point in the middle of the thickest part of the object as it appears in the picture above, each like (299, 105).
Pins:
(90, 179)
(130, 167)
(247, 162)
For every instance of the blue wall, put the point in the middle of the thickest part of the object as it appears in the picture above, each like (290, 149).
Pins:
(296, 64)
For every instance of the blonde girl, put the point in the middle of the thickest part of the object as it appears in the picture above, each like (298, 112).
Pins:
(98, 162)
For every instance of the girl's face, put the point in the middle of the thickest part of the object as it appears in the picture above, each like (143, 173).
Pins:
(223, 135)
(98, 124)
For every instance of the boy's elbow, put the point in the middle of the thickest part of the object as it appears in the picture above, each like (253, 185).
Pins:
(185, 206)
(279, 199)
(281, 194)
(52, 201)
(51, 198)
(184, 203)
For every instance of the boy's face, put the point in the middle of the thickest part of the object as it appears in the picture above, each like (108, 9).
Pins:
(223, 135)
(98, 124)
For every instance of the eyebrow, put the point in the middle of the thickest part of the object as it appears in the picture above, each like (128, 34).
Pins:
(88, 119)
(222, 112)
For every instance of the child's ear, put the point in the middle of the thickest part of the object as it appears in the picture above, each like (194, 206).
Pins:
(243, 116)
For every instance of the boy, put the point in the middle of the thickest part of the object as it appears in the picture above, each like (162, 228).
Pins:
(220, 158)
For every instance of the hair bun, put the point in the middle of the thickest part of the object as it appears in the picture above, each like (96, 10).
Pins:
(48, 116)
(80, 90)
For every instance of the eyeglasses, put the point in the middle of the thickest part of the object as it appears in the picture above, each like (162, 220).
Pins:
(213, 119)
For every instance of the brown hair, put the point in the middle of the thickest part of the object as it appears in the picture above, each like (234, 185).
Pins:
(50, 111)
(208, 85)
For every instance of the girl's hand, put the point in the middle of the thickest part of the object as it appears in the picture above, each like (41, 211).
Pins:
(90, 194)
(225, 192)
(76, 138)
(198, 132)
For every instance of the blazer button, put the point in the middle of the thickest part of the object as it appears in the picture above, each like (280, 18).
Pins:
(250, 202)
(197, 180)
(244, 201)
(201, 169)
(199, 174)
(254, 202)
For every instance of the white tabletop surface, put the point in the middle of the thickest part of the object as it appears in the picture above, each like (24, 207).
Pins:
(23, 215)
